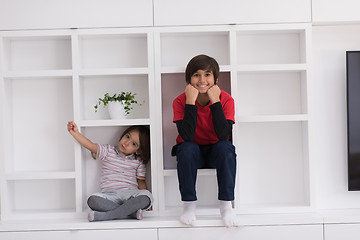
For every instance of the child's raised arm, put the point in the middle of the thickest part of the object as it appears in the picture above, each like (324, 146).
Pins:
(84, 141)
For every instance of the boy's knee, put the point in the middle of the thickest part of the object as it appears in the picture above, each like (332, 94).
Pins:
(224, 147)
(188, 146)
(188, 149)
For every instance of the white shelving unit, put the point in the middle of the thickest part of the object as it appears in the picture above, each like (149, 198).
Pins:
(266, 69)
(53, 76)
(272, 88)
(49, 77)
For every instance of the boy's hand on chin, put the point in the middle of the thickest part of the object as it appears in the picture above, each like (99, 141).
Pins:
(214, 94)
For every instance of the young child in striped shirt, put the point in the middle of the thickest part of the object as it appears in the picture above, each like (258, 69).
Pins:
(123, 188)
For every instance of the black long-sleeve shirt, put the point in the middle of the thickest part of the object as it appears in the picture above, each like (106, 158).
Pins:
(187, 126)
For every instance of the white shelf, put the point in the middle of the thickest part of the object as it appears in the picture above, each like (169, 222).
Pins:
(40, 175)
(272, 67)
(181, 69)
(275, 209)
(273, 118)
(104, 123)
(114, 71)
(42, 73)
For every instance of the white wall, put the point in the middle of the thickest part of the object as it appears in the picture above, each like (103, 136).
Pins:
(49, 14)
(199, 12)
(335, 11)
(330, 44)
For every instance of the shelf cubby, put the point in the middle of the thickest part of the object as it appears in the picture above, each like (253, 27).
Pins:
(207, 197)
(94, 87)
(92, 168)
(113, 51)
(38, 143)
(273, 164)
(271, 93)
(24, 54)
(173, 84)
(41, 196)
(270, 47)
(190, 44)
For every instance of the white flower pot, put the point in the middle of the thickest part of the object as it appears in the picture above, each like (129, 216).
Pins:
(116, 110)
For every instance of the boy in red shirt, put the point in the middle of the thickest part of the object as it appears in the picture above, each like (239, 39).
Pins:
(204, 115)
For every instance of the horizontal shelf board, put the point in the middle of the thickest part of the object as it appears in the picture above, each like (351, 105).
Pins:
(39, 73)
(109, 122)
(272, 67)
(168, 221)
(274, 208)
(273, 118)
(204, 172)
(181, 69)
(273, 28)
(17, 216)
(40, 34)
(39, 175)
(113, 71)
(209, 30)
(336, 216)
(111, 31)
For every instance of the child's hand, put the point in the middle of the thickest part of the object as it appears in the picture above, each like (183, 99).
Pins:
(214, 94)
(72, 128)
(191, 94)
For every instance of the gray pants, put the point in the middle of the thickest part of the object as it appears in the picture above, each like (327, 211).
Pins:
(121, 196)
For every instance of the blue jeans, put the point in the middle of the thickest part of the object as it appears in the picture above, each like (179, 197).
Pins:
(191, 157)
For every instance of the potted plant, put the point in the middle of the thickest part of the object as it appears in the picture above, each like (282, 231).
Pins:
(119, 105)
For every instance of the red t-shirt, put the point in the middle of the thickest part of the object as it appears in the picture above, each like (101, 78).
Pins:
(204, 133)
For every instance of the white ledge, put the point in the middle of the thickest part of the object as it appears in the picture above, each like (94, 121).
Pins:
(154, 222)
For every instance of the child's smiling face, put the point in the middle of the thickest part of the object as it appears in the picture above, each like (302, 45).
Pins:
(130, 143)
(202, 80)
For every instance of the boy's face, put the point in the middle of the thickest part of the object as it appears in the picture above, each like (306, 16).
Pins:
(130, 143)
(202, 80)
